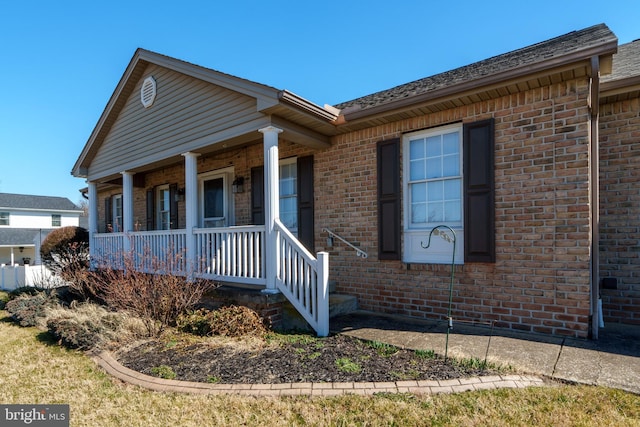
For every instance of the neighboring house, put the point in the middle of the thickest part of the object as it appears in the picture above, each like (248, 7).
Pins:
(25, 221)
(247, 181)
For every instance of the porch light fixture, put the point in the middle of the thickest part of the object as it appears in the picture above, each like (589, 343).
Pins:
(238, 185)
(21, 248)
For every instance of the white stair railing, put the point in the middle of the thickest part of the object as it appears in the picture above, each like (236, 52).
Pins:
(303, 279)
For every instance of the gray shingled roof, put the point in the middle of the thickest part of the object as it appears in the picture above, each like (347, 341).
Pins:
(25, 201)
(525, 57)
(20, 236)
(626, 63)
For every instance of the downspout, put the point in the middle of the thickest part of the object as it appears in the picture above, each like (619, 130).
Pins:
(595, 195)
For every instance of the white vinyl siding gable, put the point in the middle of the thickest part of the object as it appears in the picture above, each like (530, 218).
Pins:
(187, 114)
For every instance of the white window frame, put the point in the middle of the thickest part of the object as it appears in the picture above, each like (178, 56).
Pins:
(288, 162)
(163, 217)
(5, 219)
(117, 213)
(416, 236)
(228, 209)
(56, 220)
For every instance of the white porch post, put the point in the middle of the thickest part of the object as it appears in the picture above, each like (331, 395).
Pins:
(93, 217)
(127, 207)
(271, 203)
(191, 205)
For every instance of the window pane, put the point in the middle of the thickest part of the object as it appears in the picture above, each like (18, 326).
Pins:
(434, 212)
(452, 189)
(435, 191)
(417, 171)
(416, 149)
(434, 168)
(452, 211)
(419, 213)
(450, 143)
(451, 165)
(434, 146)
(418, 193)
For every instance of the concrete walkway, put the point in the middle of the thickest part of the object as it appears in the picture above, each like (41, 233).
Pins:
(612, 361)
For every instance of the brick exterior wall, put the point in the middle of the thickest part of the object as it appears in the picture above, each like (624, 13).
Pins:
(620, 210)
(540, 281)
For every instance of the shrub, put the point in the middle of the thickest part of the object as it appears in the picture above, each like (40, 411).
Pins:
(229, 321)
(195, 322)
(66, 250)
(30, 310)
(85, 327)
(158, 299)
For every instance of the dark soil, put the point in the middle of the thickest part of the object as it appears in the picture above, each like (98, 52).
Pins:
(289, 359)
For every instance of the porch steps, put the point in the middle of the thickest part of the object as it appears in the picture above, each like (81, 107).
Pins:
(339, 304)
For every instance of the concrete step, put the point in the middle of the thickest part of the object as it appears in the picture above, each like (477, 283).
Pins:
(339, 304)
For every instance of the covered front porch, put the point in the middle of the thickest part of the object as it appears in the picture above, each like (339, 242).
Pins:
(265, 256)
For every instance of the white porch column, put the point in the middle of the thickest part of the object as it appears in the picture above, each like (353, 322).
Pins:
(191, 205)
(93, 217)
(271, 203)
(127, 207)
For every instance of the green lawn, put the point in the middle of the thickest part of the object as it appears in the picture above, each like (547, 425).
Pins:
(37, 371)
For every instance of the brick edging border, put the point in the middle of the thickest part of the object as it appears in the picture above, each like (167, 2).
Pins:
(113, 367)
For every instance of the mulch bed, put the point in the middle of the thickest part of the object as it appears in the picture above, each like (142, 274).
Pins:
(314, 360)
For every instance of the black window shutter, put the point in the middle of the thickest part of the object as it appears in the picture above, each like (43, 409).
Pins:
(257, 195)
(305, 202)
(151, 210)
(389, 199)
(108, 214)
(173, 206)
(479, 198)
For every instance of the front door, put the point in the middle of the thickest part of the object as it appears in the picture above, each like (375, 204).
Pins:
(215, 200)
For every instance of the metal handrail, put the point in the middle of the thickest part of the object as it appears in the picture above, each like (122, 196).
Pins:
(359, 252)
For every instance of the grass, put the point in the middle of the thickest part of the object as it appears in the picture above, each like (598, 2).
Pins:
(36, 370)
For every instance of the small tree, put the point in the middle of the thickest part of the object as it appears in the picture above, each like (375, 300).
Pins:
(65, 250)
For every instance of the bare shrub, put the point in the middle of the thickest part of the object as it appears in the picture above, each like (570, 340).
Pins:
(229, 321)
(157, 298)
(89, 326)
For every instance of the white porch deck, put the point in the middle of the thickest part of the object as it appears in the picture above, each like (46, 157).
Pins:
(232, 254)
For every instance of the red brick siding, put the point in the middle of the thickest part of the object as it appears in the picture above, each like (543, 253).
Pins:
(620, 209)
(540, 281)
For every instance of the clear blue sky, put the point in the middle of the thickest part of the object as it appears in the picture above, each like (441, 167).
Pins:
(61, 60)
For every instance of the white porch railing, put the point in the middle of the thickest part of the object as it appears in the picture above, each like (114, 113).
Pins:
(303, 279)
(233, 254)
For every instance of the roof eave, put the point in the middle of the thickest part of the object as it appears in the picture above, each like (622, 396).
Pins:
(607, 48)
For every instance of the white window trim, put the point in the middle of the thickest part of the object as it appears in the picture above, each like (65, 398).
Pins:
(8, 219)
(158, 211)
(416, 237)
(117, 220)
(285, 162)
(227, 175)
(54, 217)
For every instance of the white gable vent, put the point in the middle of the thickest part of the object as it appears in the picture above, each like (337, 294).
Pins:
(148, 92)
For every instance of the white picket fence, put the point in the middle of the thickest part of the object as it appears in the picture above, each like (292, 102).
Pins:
(16, 276)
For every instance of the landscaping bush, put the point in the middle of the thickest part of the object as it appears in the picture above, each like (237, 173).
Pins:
(230, 321)
(30, 309)
(158, 299)
(66, 250)
(85, 327)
